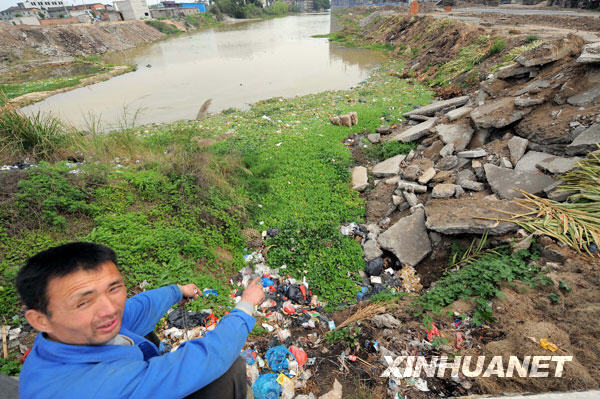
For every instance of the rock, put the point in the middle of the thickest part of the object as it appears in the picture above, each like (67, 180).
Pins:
(415, 132)
(512, 70)
(586, 98)
(335, 120)
(524, 102)
(360, 180)
(458, 135)
(552, 255)
(498, 113)
(431, 109)
(374, 138)
(353, 118)
(371, 250)
(446, 191)
(558, 165)
(504, 182)
(505, 163)
(389, 167)
(432, 152)
(398, 199)
(554, 194)
(410, 198)
(373, 230)
(345, 120)
(408, 239)
(447, 150)
(480, 138)
(384, 130)
(386, 321)
(447, 163)
(445, 176)
(550, 51)
(466, 179)
(458, 113)
(590, 53)
(476, 153)
(411, 172)
(586, 141)
(412, 187)
(533, 87)
(528, 162)
(426, 176)
(335, 393)
(410, 156)
(517, 147)
(462, 216)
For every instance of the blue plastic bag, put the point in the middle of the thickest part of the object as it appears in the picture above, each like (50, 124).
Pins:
(277, 358)
(267, 282)
(266, 387)
(248, 356)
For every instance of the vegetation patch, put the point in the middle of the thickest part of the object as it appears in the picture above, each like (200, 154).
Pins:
(164, 27)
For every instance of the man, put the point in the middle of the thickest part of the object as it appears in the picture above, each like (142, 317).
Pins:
(92, 341)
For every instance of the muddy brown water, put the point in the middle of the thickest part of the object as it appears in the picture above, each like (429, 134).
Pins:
(234, 66)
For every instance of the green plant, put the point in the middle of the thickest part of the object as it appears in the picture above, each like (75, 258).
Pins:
(346, 335)
(38, 135)
(387, 296)
(564, 286)
(11, 367)
(479, 281)
(437, 342)
(388, 149)
(164, 27)
(531, 38)
(554, 298)
(497, 47)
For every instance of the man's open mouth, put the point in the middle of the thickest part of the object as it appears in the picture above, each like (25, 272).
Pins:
(108, 326)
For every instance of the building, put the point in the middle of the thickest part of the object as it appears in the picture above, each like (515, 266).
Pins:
(173, 12)
(133, 9)
(17, 12)
(97, 8)
(25, 21)
(171, 4)
(41, 4)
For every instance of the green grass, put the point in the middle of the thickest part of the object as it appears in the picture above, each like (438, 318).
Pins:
(18, 89)
(164, 27)
(497, 47)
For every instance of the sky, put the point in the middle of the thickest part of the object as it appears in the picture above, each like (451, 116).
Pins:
(4, 4)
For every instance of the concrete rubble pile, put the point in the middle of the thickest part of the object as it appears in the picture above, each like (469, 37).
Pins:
(529, 123)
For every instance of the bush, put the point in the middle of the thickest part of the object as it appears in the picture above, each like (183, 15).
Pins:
(531, 38)
(39, 135)
(497, 47)
(163, 27)
(321, 5)
(279, 8)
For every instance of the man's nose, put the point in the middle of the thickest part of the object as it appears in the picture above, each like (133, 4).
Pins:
(106, 306)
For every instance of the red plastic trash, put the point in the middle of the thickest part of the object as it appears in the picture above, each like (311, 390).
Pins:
(299, 354)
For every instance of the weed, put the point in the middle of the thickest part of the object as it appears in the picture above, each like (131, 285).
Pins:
(554, 298)
(10, 366)
(564, 286)
(387, 297)
(531, 38)
(437, 342)
(497, 47)
(164, 27)
(479, 280)
(388, 149)
(346, 335)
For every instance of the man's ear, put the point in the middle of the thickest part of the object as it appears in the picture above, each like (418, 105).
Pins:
(38, 320)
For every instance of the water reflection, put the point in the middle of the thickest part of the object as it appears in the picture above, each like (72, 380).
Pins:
(234, 66)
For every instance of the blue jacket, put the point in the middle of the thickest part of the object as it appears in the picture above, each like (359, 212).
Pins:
(55, 370)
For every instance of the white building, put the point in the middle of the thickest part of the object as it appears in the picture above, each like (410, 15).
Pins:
(41, 4)
(133, 9)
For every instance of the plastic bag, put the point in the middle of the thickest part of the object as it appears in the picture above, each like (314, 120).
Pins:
(267, 387)
(277, 358)
(299, 354)
(249, 356)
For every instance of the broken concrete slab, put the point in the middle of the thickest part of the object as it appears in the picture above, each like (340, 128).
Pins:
(517, 147)
(458, 113)
(586, 98)
(528, 162)
(498, 114)
(410, 198)
(550, 51)
(412, 187)
(431, 109)
(408, 239)
(505, 182)
(590, 53)
(533, 87)
(476, 153)
(586, 141)
(447, 163)
(426, 176)
(360, 180)
(411, 172)
(447, 150)
(386, 321)
(459, 135)
(415, 132)
(433, 151)
(510, 71)
(374, 138)
(371, 250)
(524, 102)
(389, 167)
(558, 165)
(462, 216)
(446, 191)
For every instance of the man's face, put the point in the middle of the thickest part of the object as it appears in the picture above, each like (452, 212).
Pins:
(86, 307)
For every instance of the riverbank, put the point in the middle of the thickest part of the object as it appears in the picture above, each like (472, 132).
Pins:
(188, 201)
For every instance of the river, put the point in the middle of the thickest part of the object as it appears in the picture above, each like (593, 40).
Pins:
(234, 66)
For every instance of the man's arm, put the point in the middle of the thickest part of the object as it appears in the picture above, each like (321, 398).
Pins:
(144, 310)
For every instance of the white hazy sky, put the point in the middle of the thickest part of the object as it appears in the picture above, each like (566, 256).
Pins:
(4, 4)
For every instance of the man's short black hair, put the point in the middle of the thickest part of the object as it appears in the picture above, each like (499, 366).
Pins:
(33, 278)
